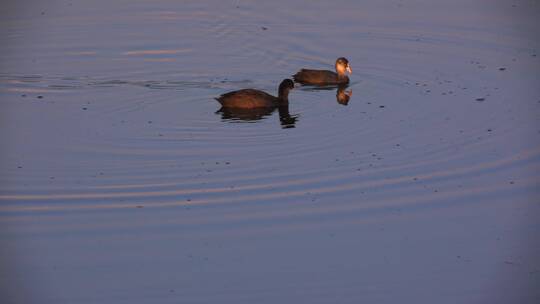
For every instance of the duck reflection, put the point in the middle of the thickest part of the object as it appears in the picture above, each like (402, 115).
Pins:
(253, 115)
(343, 96)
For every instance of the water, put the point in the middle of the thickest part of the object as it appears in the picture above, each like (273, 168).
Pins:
(123, 183)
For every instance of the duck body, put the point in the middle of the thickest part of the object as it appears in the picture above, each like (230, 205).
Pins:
(254, 99)
(324, 77)
(319, 77)
(248, 99)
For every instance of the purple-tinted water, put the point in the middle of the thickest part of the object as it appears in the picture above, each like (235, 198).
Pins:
(121, 183)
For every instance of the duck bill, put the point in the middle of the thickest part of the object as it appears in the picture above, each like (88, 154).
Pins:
(349, 69)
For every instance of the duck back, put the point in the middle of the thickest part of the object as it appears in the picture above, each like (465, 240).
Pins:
(247, 99)
(320, 77)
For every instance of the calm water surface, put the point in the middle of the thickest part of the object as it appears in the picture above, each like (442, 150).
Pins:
(121, 182)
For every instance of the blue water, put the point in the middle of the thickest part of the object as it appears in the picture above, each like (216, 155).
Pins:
(120, 182)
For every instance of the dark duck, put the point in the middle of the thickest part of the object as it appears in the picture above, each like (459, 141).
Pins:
(324, 77)
(255, 99)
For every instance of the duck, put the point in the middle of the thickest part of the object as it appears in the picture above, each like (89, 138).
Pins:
(254, 99)
(324, 77)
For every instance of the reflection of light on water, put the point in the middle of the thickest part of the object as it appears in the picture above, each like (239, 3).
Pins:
(245, 193)
(159, 59)
(154, 52)
(83, 53)
(173, 15)
(28, 90)
(404, 199)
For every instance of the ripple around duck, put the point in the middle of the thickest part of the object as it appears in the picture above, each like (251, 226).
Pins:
(265, 188)
(114, 161)
(168, 146)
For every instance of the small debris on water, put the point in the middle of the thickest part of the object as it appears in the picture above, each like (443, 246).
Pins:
(502, 69)
(264, 28)
(480, 99)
